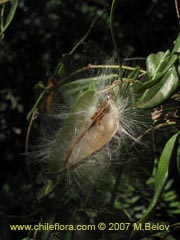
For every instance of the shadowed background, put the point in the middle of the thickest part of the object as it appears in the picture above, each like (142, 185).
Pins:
(39, 34)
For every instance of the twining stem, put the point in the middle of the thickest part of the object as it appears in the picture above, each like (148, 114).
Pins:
(115, 66)
(4, 1)
(2, 22)
(91, 66)
(177, 11)
(114, 38)
(50, 87)
(160, 125)
(43, 93)
(33, 117)
(86, 34)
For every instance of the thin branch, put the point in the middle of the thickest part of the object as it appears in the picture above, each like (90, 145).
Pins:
(177, 11)
(33, 117)
(86, 34)
(4, 1)
(114, 38)
(157, 127)
(91, 66)
(43, 93)
(2, 21)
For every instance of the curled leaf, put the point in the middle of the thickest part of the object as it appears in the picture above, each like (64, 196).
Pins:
(161, 91)
(156, 64)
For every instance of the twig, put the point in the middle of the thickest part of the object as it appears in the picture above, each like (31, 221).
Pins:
(177, 11)
(33, 117)
(4, 1)
(160, 125)
(86, 34)
(91, 66)
(46, 89)
(114, 38)
(2, 22)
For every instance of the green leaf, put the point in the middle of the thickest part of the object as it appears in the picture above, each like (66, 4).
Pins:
(160, 179)
(80, 82)
(10, 15)
(156, 63)
(176, 48)
(134, 74)
(155, 69)
(61, 70)
(81, 85)
(161, 91)
(163, 165)
(51, 184)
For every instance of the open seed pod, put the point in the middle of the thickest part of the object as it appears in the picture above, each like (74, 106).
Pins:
(100, 116)
(92, 124)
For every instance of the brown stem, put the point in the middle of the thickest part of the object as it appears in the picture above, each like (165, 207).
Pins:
(177, 11)
(33, 117)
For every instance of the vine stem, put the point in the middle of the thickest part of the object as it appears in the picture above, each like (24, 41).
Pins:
(33, 117)
(4, 1)
(50, 87)
(177, 11)
(2, 22)
(113, 34)
(86, 34)
(91, 66)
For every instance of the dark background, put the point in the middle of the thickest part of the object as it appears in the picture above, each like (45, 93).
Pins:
(39, 34)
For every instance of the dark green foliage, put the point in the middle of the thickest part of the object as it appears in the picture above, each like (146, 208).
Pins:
(36, 37)
(163, 72)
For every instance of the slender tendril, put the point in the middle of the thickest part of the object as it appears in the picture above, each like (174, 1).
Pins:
(90, 66)
(177, 11)
(113, 34)
(33, 117)
(2, 22)
(86, 34)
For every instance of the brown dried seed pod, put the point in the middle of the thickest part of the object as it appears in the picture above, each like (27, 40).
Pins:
(98, 132)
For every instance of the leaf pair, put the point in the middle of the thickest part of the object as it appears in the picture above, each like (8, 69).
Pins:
(163, 72)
